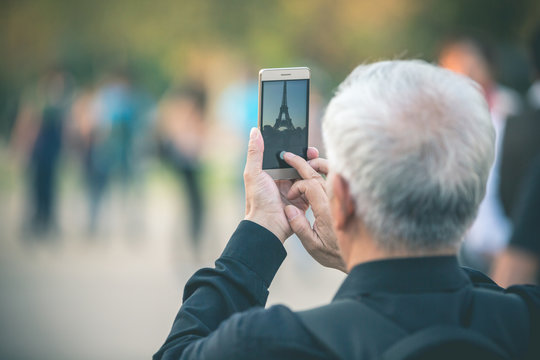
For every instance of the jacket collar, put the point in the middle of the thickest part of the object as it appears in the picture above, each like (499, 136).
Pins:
(404, 275)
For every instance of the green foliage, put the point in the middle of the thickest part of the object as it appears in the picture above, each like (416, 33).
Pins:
(158, 39)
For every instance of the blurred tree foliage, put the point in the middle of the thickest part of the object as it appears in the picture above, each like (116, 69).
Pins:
(167, 40)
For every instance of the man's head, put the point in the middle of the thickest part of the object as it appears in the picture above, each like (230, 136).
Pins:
(414, 144)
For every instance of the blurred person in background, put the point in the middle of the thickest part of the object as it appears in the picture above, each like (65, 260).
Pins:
(38, 134)
(475, 57)
(82, 126)
(520, 262)
(119, 108)
(239, 105)
(520, 167)
(410, 147)
(182, 134)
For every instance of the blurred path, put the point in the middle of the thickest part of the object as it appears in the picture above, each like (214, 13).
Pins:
(114, 296)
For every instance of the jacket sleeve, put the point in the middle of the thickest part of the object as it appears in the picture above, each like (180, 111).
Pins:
(239, 281)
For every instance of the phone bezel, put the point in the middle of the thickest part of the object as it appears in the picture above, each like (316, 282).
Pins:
(293, 73)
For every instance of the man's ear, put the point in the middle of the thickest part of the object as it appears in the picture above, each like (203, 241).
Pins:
(343, 207)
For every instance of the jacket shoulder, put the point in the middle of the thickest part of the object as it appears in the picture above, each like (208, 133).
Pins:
(275, 332)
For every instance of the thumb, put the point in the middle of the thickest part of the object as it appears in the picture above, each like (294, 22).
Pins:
(255, 153)
(300, 226)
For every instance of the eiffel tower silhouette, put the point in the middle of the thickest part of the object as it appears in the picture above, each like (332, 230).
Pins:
(284, 111)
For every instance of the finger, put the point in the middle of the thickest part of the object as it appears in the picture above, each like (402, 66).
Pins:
(312, 191)
(312, 153)
(284, 186)
(320, 165)
(301, 227)
(301, 165)
(300, 202)
(255, 153)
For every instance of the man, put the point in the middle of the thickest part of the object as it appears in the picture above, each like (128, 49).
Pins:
(410, 146)
(520, 186)
(38, 135)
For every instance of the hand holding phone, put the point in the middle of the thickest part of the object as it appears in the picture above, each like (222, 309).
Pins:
(266, 197)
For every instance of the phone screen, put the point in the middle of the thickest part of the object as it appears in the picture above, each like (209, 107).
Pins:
(284, 111)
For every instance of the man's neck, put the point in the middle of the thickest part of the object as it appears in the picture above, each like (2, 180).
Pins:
(366, 250)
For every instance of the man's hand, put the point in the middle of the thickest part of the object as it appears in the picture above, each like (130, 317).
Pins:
(266, 198)
(263, 199)
(320, 240)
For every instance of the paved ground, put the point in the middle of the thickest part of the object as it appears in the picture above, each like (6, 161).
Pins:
(114, 295)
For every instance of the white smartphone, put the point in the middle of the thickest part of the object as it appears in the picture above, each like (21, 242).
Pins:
(284, 117)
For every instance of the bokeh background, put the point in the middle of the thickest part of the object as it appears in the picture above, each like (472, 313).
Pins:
(123, 129)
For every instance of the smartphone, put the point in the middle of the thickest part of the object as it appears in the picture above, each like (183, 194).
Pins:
(283, 117)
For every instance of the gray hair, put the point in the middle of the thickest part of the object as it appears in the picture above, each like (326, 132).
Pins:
(415, 142)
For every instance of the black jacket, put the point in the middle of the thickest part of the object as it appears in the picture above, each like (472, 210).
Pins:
(223, 315)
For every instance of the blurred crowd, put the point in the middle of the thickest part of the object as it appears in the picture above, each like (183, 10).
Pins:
(110, 127)
(113, 123)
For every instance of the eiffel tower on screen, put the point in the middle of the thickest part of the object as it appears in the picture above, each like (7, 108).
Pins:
(284, 112)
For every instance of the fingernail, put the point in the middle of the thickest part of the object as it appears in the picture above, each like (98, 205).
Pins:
(282, 155)
(253, 133)
(291, 212)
